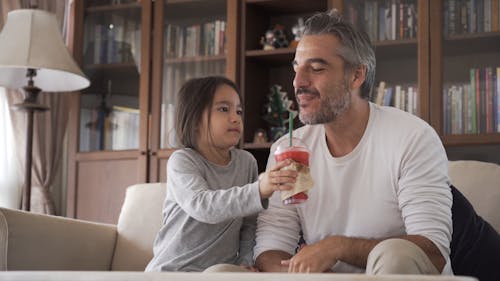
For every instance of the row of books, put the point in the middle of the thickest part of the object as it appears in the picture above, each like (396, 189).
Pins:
(470, 16)
(115, 41)
(404, 97)
(384, 20)
(473, 107)
(208, 39)
(116, 130)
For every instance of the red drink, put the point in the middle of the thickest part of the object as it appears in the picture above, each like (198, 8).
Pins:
(299, 153)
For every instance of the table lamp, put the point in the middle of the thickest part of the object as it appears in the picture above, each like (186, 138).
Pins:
(34, 57)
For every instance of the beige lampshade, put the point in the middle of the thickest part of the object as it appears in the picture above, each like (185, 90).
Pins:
(32, 39)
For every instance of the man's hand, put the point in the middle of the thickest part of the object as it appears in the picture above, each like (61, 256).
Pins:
(317, 257)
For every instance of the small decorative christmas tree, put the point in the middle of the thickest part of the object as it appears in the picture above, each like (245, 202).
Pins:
(278, 111)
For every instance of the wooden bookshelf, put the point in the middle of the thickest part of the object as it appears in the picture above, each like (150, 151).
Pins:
(140, 82)
(452, 57)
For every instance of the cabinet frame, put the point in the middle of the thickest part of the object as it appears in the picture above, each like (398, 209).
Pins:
(77, 159)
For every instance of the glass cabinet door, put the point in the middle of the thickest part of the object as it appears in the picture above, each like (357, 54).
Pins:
(109, 108)
(194, 45)
(471, 66)
(393, 29)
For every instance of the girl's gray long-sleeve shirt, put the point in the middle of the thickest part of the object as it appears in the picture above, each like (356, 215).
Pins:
(209, 213)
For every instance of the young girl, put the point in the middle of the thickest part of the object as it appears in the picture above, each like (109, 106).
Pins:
(213, 194)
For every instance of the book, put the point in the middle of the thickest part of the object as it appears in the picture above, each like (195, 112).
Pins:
(495, 20)
(498, 98)
(379, 98)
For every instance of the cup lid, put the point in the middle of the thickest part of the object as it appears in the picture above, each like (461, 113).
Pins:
(284, 144)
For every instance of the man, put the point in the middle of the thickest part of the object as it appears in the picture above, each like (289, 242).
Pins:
(381, 201)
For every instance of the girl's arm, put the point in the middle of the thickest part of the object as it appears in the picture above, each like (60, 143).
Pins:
(187, 185)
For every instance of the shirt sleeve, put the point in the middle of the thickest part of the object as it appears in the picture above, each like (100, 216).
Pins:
(424, 194)
(190, 190)
(278, 226)
(247, 232)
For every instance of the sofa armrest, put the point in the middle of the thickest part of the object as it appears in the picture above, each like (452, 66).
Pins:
(31, 241)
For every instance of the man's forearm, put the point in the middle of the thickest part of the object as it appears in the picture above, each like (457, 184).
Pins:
(270, 261)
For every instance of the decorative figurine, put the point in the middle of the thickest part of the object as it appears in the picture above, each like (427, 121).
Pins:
(298, 32)
(274, 38)
(260, 136)
(277, 112)
(267, 40)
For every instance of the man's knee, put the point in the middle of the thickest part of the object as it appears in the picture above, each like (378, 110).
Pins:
(398, 256)
(224, 267)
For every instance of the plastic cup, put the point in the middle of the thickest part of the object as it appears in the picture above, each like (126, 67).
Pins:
(299, 153)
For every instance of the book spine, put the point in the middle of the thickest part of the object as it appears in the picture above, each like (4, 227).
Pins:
(487, 15)
(381, 23)
(473, 100)
(495, 24)
(393, 20)
(472, 16)
(488, 99)
(478, 99)
(480, 15)
(498, 98)
(494, 94)
(482, 89)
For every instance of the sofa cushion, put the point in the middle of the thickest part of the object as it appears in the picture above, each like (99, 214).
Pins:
(139, 222)
(30, 241)
(479, 182)
(475, 245)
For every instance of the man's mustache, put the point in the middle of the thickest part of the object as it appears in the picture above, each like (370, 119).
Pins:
(301, 90)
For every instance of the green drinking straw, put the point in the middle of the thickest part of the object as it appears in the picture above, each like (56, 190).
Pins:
(290, 127)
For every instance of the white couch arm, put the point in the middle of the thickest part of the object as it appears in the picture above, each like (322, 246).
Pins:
(31, 241)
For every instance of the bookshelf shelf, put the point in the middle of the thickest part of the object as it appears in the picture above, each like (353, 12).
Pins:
(112, 70)
(277, 56)
(113, 8)
(474, 42)
(396, 49)
(281, 7)
(471, 139)
(195, 59)
(179, 9)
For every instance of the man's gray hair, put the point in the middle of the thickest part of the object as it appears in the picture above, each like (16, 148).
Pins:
(356, 49)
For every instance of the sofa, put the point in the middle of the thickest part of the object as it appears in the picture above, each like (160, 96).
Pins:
(30, 243)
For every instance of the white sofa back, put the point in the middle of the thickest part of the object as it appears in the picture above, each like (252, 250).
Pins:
(141, 215)
(139, 222)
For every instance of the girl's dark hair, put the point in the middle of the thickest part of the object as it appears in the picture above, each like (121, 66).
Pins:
(193, 98)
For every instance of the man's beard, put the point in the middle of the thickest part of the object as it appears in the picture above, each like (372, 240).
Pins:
(331, 106)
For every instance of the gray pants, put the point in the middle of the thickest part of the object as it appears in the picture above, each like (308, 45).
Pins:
(391, 256)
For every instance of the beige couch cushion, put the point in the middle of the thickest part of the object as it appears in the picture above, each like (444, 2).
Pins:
(30, 241)
(480, 184)
(139, 222)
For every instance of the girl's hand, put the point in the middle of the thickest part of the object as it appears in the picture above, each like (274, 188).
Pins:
(275, 179)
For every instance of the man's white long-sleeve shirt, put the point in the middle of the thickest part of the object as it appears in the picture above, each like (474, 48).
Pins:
(395, 182)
